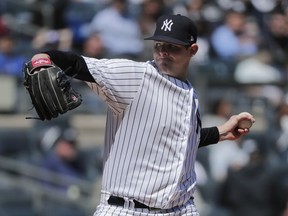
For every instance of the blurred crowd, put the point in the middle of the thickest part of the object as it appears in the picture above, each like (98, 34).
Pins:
(241, 33)
(241, 64)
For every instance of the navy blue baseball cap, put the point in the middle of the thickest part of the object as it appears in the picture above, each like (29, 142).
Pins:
(175, 29)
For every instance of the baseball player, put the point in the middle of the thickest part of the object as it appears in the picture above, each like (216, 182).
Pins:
(153, 125)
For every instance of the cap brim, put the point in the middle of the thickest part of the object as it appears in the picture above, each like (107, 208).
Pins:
(166, 39)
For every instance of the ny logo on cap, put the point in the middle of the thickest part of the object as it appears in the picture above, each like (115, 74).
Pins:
(167, 25)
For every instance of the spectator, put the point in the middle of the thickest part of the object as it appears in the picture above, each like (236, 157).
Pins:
(234, 39)
(228, 153)
(218, 160)
(56, 20)
(53, 29)
(277, 27)
(93, 46)
(67, 171)
(247, 191)
(61, 154)
(119, 32)
(220, 111)
(11, 62)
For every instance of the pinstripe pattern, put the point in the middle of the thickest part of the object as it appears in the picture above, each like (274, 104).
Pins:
(152, 132)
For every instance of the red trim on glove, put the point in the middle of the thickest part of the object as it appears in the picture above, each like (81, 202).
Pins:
(41, 62)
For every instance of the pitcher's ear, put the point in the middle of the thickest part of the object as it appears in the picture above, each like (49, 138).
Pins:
(194, 48)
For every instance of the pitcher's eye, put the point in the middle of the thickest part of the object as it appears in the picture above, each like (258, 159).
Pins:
(169, 48)
(173, 48)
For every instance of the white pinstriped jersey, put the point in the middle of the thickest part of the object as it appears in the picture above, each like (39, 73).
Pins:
(152, 132)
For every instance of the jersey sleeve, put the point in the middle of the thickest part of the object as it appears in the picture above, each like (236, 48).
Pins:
(117, 81)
